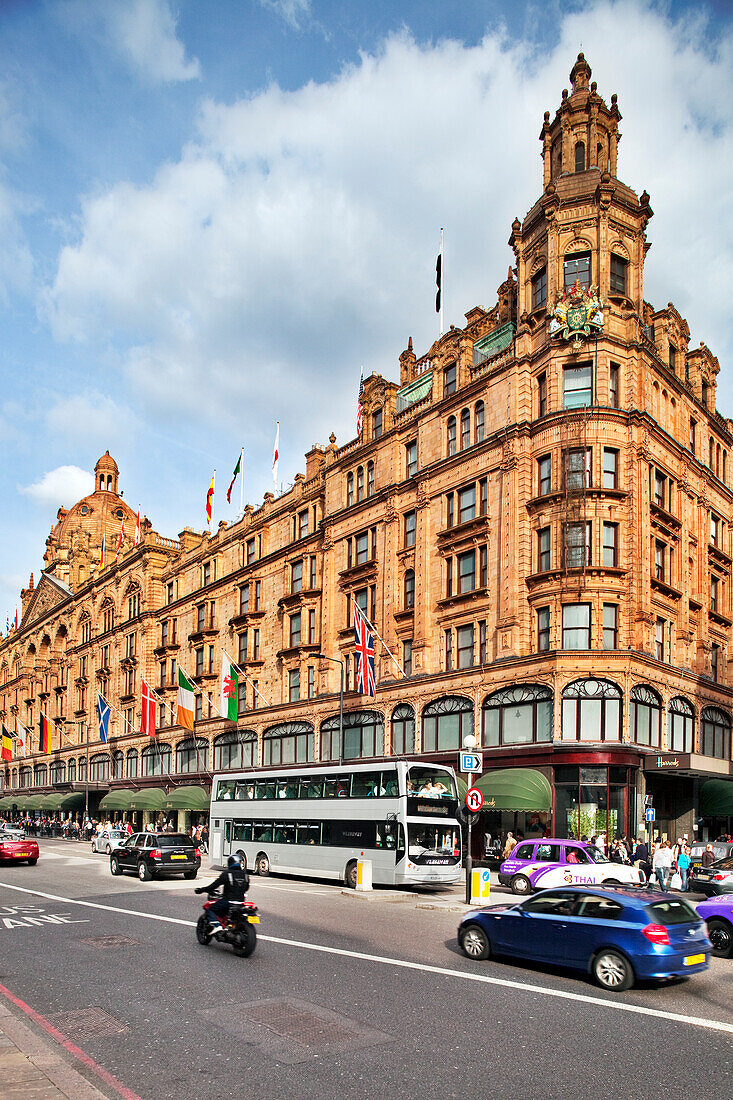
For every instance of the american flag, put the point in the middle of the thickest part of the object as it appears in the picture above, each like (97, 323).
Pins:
(365, 682)
(360, 406)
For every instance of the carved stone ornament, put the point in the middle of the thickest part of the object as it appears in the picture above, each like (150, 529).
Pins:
(390, 512)
(422, 499)
(578, 313)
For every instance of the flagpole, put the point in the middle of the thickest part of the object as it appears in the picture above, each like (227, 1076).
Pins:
(241, 482)
(240, 669)
(442, 295)
(389, 651)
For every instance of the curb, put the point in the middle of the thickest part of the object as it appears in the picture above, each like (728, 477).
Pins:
(31, 1065)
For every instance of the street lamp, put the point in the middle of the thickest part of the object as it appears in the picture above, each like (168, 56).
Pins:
(338, 661)
(469, 742)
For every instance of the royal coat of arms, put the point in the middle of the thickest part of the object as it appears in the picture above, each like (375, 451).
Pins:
(577, 314)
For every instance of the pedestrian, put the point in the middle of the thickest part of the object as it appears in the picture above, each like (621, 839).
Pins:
(662, 864)
(509, 845)
(708, 856)
(683, 866)
(641, 859)
(205, 838)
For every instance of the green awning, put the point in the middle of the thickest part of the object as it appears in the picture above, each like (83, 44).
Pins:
(519, 789)
(462, 788)
(30, 802)
(73, 801)
(118, 799)
(717, 798)
(151, 799)
(51, 801)
(188, 798)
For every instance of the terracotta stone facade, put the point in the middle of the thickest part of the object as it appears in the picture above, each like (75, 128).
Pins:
(540, 528)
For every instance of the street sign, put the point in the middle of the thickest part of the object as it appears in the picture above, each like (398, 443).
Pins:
(470, 762)
(474, 799)
(650, 813)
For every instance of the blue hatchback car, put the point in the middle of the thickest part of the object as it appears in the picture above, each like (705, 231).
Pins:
(617, 935)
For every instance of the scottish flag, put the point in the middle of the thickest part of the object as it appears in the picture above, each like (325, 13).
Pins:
(103, 713)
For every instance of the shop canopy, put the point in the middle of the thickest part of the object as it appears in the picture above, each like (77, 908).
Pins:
(151, 799)
(51, 801)
(73, 801)
(518, 789)
(188, 798)
(118, 799)
(717, 798)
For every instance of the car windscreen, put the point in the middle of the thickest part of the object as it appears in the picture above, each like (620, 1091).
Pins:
(596, 855)
(174, 840)
(672, 911)
(725, 864)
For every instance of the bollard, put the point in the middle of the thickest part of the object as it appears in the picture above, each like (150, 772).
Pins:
(480, 886)
(363, 874)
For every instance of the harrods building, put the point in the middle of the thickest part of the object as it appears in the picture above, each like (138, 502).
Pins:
(537, 518)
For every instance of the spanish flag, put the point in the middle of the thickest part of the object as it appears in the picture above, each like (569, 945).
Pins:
(7, 750)
(44, 734)
(210, 500)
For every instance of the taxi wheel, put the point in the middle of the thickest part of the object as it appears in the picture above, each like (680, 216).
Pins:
(721, 937)
(612, 971)
(475, 942)
(521, 885)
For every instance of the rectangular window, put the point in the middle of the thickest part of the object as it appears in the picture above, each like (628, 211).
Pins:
(169, 592)
(409, 528)
(449, 577)
(610, 626)
(693, 436)
(377, 424)
(296, 576)
(544, 475)
(407, 657)
(244, 599)
(294, 685)
(672, 356)
(303, 523)
(467, 572)
(660, 489)
(542, 394)
(610, 548)
(613, 386)
(577, 386)
(198, 707)
(610, 468)
(201, 616)
(295, 630)
(206, 573)
(539, 288)
(483, 490)
(411, 457)
(543, 549)
(618, 275)
(362, 548)
(210, 666)
(448, 651)
(256, 646)
(483, 552)
(200, 661)
(349, 490)
(578, 465)
(715, 593)
(467, 504)
(450, 510)
(659, 549)
(576, 626)
(250, 551)
(450, 376)
(543, 629)
(483, 650)
(659, 639)
(164, 632)
(715, 661)
(464, 639)
(311, 682)
(577, 269)
(577, 544)
(714, 531)
(313, 582)
(242, 651)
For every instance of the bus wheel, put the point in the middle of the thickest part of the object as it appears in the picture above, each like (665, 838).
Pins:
(350, 878)
(243, 858)
(262, 865)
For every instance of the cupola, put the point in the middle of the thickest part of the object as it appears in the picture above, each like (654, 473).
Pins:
(106, 473)
(584, 133)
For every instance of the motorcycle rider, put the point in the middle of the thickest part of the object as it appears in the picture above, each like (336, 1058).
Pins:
(235, 884)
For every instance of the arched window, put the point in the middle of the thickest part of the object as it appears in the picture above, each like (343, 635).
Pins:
(517, 715)
(118, 764)
(363, 735)
(99, 768)
(25, 777)
(445, 722)
(360, 483)
(82, 769)
(71, 771)
(409, 589)
(591, 711)
(192, 755)
(56, 772)
(451, 438)
(681, 726)
(288, 743)
(715, 733)
(131, 764)
(370, 479)
(579, 157)
(235, 750)
(646, 716)
(403, 730)
(40, 773)
(465, 429)
(155, 760)
(478, 422)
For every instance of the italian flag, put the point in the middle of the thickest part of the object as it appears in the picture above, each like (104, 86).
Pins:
(229, 689)
(184, 707)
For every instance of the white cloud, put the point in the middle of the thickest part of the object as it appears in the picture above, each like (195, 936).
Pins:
(63, 486)
(295, 238)
(292, 11)
(144, 32)
(89, 419)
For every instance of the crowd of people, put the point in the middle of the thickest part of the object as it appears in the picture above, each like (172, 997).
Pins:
(87, 828)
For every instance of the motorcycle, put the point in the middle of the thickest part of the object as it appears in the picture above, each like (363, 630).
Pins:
(237, 928)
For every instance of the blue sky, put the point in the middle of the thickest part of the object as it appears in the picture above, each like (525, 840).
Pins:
(213, 214)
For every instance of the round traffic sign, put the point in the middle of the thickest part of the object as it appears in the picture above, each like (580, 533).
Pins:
(474, 799)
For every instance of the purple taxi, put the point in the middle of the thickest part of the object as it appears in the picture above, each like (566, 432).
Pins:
(548, 863)
(718, 915)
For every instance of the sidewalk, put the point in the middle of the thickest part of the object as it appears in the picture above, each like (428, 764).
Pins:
(35, 1068)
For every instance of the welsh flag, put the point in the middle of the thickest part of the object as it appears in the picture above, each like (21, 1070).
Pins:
(229, 688)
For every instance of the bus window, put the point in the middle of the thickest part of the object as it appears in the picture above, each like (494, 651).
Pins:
(389, 782)
(287, 788)
(265, 788)
(336, 788)
(366, 784)
(353, 834)
(244, 790)
(225, 789)
(311, 787)
(427, 782)
(308, 833)
(261, 831)
(242, 830)
(400, 853)
(386, 835)
(285, 832)
(228, 831)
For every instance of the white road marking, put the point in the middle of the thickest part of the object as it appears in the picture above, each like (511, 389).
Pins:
(426, 968)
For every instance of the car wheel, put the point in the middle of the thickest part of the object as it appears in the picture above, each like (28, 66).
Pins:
(190, 874)
(350, 878)
(262, 865)
(33, 862)
(475, 942)
(203, 935)
(612, 971)
(520, 884)
(143, 871)
(114, 866)
(94, 846)
(108, 849)
(721, 937)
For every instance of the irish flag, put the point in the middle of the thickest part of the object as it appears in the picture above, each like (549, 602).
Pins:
(229, 688)
(184, 706)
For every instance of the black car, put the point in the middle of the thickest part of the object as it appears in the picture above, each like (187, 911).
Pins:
(152, 855)
(716, 879)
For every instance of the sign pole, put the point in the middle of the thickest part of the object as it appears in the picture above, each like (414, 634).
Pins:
(469, 861)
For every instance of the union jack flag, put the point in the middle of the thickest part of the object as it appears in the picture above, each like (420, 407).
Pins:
(360, 406)
(365, 681)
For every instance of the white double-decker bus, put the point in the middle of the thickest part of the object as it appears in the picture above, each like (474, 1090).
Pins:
(318, 821)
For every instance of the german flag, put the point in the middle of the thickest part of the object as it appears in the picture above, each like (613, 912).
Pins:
(7, 749)
(44, 734)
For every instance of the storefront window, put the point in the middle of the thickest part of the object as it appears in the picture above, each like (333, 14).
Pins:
(363, 735)
(681, 726)
(403, 730)
(715, 733)
(591, 711)
(289, 743)
(646, 716)
(446, 722)
(592, 801)
(518, 716)
(235, 750)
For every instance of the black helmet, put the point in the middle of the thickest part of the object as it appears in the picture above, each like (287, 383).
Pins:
(234, 861)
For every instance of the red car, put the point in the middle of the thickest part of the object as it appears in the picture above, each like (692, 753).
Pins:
(18, 851)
